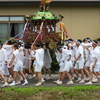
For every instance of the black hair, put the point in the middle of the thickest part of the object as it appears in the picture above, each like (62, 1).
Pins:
(27, 46)
(59, 48)
(59, 43)
(79, 40)
(47, 45)
(70, 39)
(1, 44)
(95, 41)
(39, 44)
(98, 39)
(10, 42)
(16, 46)
(84, 40)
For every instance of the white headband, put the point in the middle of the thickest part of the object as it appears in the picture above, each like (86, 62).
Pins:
(94, 42)
(70, 41)
(87, 40)
(78, 41)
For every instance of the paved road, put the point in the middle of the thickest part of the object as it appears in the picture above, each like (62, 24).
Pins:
(49, 83)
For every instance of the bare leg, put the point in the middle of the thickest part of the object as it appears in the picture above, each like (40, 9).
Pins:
(82, 73)
(91, 75)
(63, 75)
(76, 71)
(72, 72)
(44, 69)
(15, 75)
(22, 74)
(68, 76)
(11, 71)
(2, 76)
(86, 71)
(39, 76)
(49, 72)
(60, 74)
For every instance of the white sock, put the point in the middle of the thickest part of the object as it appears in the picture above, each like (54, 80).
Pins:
(13, 82)
(18, 81)
(25, 80)
(26, 74)
(34, 75)
(79, 78)
(5, 83)
(82, 80)
(57, 80)
(42, 79)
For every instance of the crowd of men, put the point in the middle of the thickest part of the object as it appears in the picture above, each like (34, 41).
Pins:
(79, 61)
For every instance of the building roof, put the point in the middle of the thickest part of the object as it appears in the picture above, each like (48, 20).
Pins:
(40, 0)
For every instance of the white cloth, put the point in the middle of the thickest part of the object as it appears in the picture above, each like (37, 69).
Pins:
(4, 69)
(9, 50)
(18, 66)
(61, 64)
(39, 60)
(65, 56)
(88, 61)
(97, 55)
(19, 60)
(58, 56)
(28, 55)
(47, 59)
(80, 63)
(3, 56)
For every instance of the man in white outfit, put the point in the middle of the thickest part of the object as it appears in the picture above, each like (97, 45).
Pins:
(18, 65)
(38, 63)
(66, 59)
(79, 61)
(3, 62)
(47, 62)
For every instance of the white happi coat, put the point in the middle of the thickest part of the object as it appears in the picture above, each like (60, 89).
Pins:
(47, 59)
(79, 50)
(9, 51)
(58, 56)
(3, 56)
(39, 57)
(47, 56)
(65, 57)
(95, 54)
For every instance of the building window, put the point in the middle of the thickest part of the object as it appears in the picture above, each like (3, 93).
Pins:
(16, 18)
(3, 31)
(15, 28)
(10, 26)
(4, 18)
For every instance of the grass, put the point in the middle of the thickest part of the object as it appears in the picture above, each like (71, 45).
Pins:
(51, 93)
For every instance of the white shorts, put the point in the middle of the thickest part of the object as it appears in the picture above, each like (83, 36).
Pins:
(18, 67)
(97, 67)
(61, 66)
(4, 69)
(8, 61)
(47, 65)
(91, 65)
(27, 64)
(68, 66)
(88, 63)
(38, 68)
(79, 65)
